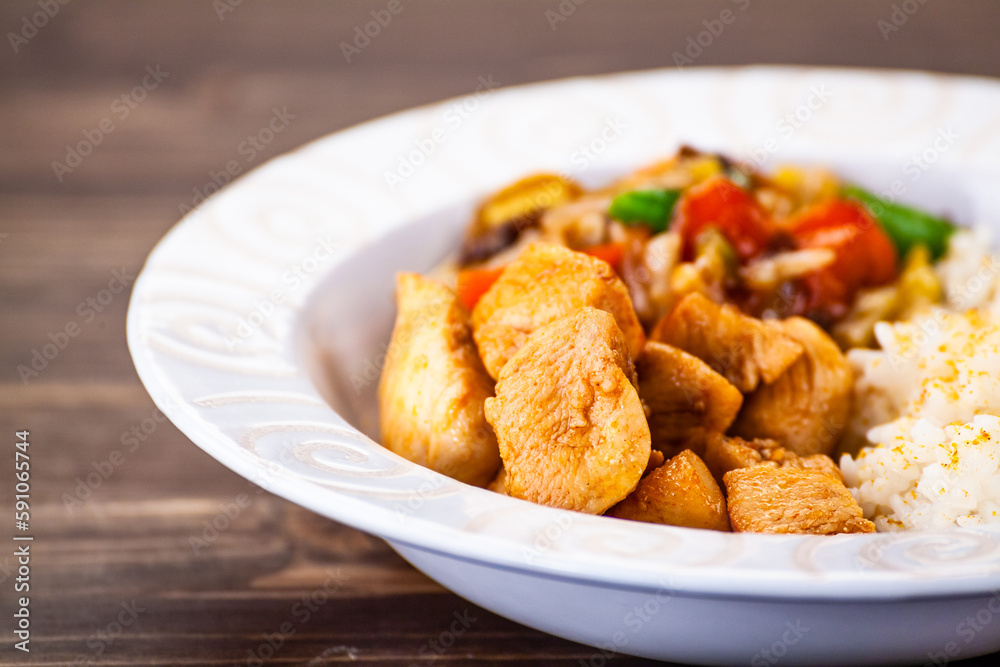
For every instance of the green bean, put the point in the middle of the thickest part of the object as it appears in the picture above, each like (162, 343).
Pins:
(907, 227)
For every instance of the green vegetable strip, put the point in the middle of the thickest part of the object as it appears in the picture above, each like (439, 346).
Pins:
(652, 208)
(907, 227)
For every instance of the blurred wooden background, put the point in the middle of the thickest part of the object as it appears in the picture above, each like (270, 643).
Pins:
(115, 578)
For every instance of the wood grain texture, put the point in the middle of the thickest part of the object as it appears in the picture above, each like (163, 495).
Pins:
(138, 543)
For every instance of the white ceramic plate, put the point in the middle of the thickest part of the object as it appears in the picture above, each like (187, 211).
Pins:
(259, 324)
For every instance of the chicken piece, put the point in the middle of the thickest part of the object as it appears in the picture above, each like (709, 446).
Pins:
(568, 419)
(723, 454)
(499, 483)
(820, 462)
(655, 461)
(747, 351)
(544, 283)
(684, 396)
(785, 458)
(766, 499)
(807, 408)
(681, 492)
(433, 386)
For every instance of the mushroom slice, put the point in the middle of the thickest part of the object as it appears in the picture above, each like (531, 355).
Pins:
(502, 217)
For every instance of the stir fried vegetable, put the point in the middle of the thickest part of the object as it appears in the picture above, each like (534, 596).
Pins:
(472, 284)
(916, 289)
(796, 242)
(908, 227)
(713, 243)
(612, 253)
(527, 197)
(501, 219)
(865, 256)
(652, 208)
(722, 204)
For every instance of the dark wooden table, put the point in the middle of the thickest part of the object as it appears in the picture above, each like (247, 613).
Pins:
(167, 93)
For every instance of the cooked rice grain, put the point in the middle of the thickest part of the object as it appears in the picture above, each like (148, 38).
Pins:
(928, 401)
(926, 477)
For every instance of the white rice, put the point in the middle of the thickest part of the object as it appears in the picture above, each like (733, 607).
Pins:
(927, 405)
(923, 476)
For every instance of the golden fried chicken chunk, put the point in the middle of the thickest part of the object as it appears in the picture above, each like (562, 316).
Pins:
(685, 397)
(681, 492)
(568, 419)
(723, 454)
(767, 499)
(656, 459)
(433, 386)
(499, 483)
(807, 408)
(820, 462)
(544, 283)
(747, 351)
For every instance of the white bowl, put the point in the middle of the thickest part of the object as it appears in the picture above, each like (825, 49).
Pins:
(259, 323)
